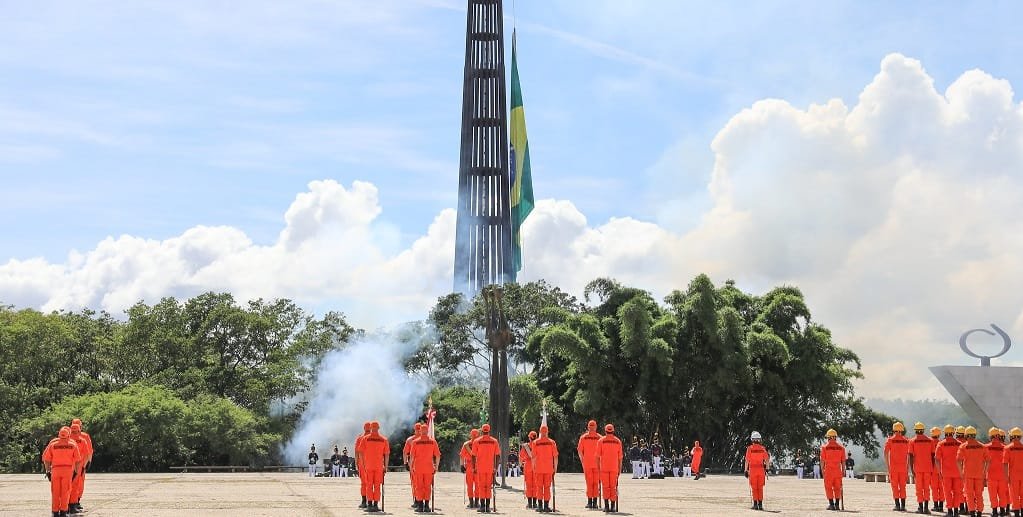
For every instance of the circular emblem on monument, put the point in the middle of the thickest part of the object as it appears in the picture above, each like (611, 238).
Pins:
(985, 360)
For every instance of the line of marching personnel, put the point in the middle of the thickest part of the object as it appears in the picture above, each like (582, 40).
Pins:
(65, 459)
(951, 472)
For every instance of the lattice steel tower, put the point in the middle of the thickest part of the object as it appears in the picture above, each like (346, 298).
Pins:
(483, 252)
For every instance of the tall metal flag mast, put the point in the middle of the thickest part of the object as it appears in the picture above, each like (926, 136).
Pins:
(483, 233)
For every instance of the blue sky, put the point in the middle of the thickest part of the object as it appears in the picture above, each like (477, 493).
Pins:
(150, 118)
(867, 152)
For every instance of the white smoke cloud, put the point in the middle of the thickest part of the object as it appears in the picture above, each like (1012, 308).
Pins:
(363, 382)
(897, 216)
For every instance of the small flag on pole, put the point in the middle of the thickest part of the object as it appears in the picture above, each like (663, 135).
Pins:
(430, 414)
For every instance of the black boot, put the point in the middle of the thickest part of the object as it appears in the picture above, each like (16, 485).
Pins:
(546, 507)
(363, 503)
(614, 506)
(759, 505)
(607, 506)
(902, 503)
(426, 507)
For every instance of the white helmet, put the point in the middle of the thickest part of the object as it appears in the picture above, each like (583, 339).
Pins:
(754, 436)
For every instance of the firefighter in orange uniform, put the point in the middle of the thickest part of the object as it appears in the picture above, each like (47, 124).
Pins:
(424, 459)
(697, 453)
(358, 463)
(921, 461)
(755, 468)
(406, 452)
(609, 465)
(588, 450)
(1012, 461)
(62, 461)
(375, 450)
(528, 476)
(545, 465)
(997, 485)
(76, 497)
(973, 462)
(896, 456)
(78, 485)
(937, 492)
(961, 437)
(465, 457)
(485, 452)
(833, 465)
(946, 457)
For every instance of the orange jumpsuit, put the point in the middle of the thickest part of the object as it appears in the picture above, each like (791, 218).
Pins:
(359, 463)
(465, 453)
(545, 458)
(697, 453)
(896, 452)
(424, 454)
(485, 449)
(921, 453)
(937, 493)
(588, 450)
(525, 456)
(406, 453)
(833, 464)
(951, 483)
(609, 464)
(757, 458)
(375, 450)
(1012, 459)
(997, 485)
(972, 456)
(85, 447)
(65, 460)
(86, 460)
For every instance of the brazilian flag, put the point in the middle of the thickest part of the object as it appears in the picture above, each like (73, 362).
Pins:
(521, 180)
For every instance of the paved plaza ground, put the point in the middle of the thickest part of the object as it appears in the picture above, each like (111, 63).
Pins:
(294, 494)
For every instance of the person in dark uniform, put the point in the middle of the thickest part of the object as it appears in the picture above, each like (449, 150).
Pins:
(644, 458)
(687, 464)
(850, 466)
(634, 458)
(335, 463)
(800, 466)
(314, 460)
(345, 462)
(513, 463)
(655, 455)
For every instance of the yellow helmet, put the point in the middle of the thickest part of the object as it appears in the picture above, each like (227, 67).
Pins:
(831, 433)
(949, 429)
(898, 427)
(960, 430)
(1016, 432)
(993, 431)
(919, 426)
(935, 432)
(970, 431)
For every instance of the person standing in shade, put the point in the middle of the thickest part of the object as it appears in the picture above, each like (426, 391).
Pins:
(816, 462)
(335, 463)
(314, 460)
(896, 458)
(655, 455)
(850, 467)
(800, 465)
(609, 464)
(644, 459)
(634, 458)
(754, 467)
(921, 464)
(687, 464)
(832, 460)
(345, 462)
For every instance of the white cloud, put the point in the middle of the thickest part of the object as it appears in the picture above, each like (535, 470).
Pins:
(897, 216)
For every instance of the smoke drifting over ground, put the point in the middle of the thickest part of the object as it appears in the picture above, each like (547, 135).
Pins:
(364, 381)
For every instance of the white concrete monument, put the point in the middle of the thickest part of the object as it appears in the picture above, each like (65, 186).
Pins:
(991, 396)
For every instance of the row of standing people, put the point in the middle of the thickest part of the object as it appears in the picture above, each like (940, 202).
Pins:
(757, 461)
(66, 459)
(650, 460)
(340, 462)
(951, 472)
